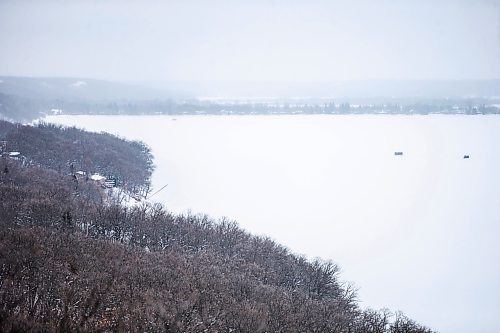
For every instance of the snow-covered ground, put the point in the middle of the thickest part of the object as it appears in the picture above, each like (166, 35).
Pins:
(119, 196)
(418, 232)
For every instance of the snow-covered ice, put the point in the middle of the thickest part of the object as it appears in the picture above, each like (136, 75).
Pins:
(417, 232)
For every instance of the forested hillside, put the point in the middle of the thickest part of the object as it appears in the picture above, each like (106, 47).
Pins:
(70, 260)
(70, 150)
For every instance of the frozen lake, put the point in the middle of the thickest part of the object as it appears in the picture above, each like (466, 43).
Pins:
(418, 232)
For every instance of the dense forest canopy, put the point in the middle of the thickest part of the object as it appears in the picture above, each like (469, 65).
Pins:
(74, 259)
(71, 150)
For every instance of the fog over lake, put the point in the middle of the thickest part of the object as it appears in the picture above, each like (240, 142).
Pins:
(417, 232)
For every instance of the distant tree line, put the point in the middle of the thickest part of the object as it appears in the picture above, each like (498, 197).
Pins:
(199, 107)
(72, 261)
(24, 109)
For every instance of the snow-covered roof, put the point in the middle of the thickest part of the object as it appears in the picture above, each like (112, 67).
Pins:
(97, 176)
(14, 153)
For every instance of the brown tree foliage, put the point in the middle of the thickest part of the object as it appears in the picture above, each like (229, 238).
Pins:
(69, 149)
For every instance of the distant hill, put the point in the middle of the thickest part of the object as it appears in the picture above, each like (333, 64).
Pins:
(100, 90)
(350, 91)
(27, 98)
(78, 89)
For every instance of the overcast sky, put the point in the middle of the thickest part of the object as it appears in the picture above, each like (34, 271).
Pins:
(258, 40)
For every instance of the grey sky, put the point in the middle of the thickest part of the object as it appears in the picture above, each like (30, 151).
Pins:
(255, 40)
